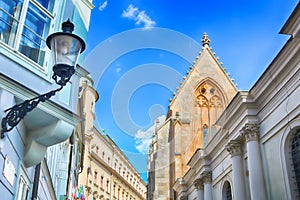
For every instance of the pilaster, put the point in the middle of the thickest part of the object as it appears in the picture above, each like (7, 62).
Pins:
(234, 147)
(256, 174)
(207, 179)
(250, 132)
(198, 183)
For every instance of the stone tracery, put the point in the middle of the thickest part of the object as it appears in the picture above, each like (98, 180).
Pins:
(209, 104)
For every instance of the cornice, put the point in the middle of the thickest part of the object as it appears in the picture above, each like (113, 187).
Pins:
(242, 106)
(291, 26)
(80, 71)
(89, 4)
(281, 67)
(199, 153)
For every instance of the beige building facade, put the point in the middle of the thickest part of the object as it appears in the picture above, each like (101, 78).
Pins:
(221, 143)
(107, 173)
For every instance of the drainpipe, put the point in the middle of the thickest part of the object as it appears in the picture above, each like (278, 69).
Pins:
(36, 181)
(70, 164)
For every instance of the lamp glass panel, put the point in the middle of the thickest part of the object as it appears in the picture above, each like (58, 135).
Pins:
(65, 49)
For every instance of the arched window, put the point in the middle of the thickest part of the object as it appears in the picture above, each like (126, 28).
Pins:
(226, 191)
(295, 151)
(89, 173)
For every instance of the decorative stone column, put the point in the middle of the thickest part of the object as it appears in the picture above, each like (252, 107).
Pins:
(206, 176)
(234, 148)
(198, 183)
(256, 175)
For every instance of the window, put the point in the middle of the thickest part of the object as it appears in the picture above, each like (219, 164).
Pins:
(226, 192)
(107, 186)
(295, 150)
(23, 189)
(205, 134)
(24, 26)
(9, 17)
(95, 177)
(102, 179)
(114, 190)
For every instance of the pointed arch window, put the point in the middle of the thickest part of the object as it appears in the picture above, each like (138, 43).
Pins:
(210, 102)
(226, 192)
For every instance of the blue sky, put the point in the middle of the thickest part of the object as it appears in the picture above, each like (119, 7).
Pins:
(138, 51)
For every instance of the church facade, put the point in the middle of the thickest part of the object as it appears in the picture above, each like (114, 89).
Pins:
(221, 143)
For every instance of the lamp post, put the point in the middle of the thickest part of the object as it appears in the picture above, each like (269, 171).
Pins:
(65, 48)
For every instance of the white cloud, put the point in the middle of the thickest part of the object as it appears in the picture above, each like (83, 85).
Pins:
(140, 17)
(103, 6)
(144, 18)
(131, 12)
(143, 139)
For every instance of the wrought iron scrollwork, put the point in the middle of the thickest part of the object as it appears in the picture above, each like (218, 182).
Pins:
(63, 69)
(17, 113)
(62, 74)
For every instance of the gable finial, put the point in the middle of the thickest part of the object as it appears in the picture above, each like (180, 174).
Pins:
(205, 40)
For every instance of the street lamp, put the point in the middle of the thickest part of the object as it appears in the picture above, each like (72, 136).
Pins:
(65, 48)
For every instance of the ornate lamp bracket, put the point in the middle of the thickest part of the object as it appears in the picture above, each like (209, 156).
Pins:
(65, 48)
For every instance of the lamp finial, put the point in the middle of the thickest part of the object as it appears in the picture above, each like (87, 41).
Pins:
(67, 26)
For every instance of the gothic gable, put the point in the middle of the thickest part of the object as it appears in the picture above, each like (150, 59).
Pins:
(199, 102)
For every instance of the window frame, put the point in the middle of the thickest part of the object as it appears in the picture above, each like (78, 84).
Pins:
(285, 157)
(13, 50)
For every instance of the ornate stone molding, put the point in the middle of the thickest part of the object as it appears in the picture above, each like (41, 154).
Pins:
(250, 132)
(234, 147)
(95, 194)
(198, 183)
(88, 189)
(206, 177)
